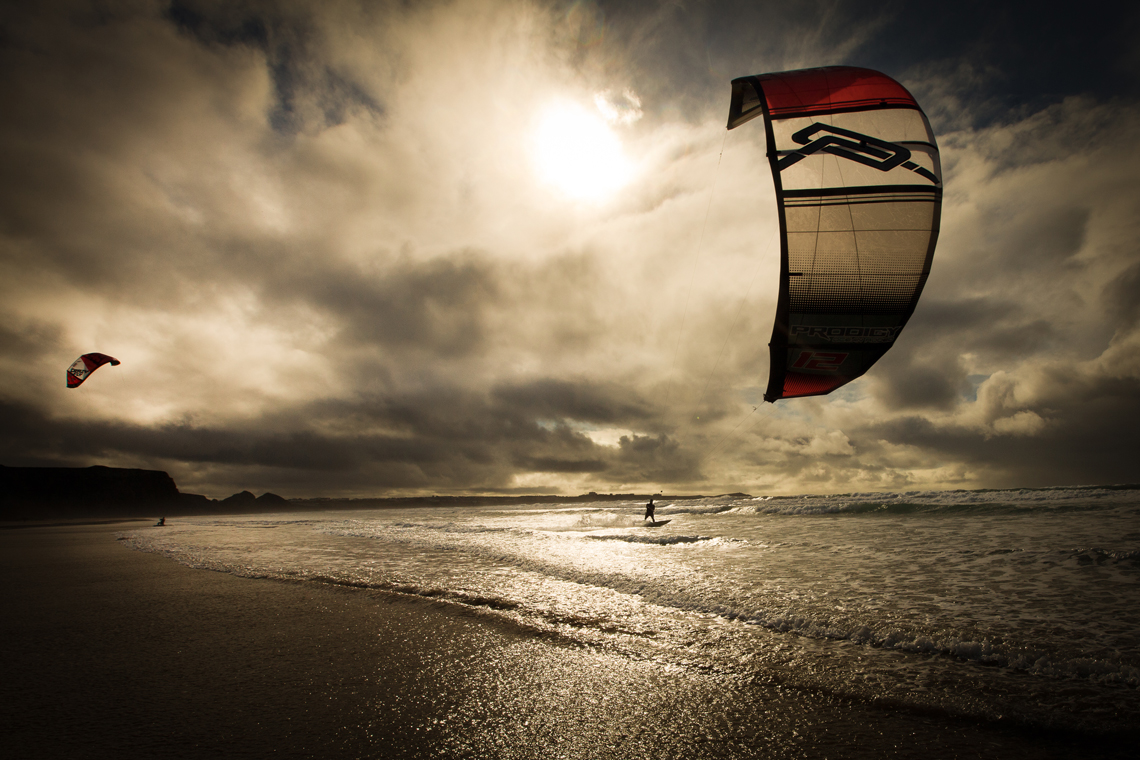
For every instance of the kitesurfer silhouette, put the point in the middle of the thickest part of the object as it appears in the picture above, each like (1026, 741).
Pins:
(649, 510)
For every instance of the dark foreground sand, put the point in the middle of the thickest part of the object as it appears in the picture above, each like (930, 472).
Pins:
(112, 653)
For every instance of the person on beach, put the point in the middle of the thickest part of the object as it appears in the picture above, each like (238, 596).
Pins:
(649, 510)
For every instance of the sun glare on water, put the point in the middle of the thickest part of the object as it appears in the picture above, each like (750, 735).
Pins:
(576, 151)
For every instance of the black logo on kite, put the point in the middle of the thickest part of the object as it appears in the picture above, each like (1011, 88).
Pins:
(863, 149)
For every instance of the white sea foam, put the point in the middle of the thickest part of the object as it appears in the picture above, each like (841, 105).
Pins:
(658, 540)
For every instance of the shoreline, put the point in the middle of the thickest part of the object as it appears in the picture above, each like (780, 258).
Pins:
(113, 652)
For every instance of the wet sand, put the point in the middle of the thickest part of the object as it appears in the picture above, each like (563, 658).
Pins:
(109, 652)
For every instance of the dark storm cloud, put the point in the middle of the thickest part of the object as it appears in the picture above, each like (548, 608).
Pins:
(607, 403)
(25, 339)
(1098, 436)
(935, 385)
(576, 466)
(309, 94)
(929, 373)
(1005, 57)
(440, 438)
(1122, 296)
(1010, 60)
(93, 105)
(240, 26)
(656, 459)
(434, 307)
(992, 325)
(449, 307)
(683, 54)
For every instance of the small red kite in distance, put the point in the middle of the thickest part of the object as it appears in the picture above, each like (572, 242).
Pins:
(82, 368)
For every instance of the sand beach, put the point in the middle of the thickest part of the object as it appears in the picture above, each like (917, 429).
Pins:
(110, 652)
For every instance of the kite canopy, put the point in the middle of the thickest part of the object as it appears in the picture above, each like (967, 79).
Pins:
(859, 195)
(82, 367)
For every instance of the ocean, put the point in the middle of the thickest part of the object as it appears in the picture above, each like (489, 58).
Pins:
(1017, 606)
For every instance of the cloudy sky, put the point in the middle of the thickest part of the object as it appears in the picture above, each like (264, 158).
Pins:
(372, 248)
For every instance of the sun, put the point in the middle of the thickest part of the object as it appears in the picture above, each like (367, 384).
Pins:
(576, 151)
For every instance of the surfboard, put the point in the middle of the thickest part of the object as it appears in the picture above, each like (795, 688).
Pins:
(657, 524)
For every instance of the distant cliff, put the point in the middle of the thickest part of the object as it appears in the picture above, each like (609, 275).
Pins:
(49, 492)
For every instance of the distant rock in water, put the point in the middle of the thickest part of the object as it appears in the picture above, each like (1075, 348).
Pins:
(247, 502)
(238, 502)
(51, 492)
